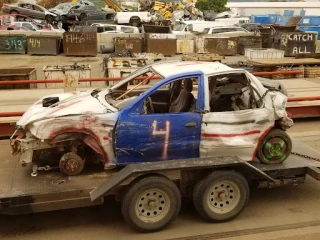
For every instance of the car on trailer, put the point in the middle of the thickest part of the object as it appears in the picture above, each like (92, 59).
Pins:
(197, 130)
(195, 110)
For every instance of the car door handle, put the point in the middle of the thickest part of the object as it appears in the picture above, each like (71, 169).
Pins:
(191, 124)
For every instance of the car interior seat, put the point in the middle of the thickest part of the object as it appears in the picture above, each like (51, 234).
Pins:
(185, 98)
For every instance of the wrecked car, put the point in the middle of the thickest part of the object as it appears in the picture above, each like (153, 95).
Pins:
(11, 19)
(195, 110)
(30, 10)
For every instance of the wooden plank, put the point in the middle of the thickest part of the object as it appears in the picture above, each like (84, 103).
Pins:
(283, 62)
(202, 57)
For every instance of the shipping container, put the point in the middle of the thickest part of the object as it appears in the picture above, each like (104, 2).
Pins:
(248, 42)
(225, 46)
(44, 45)
(13, 44)
(132, 44)
(70, 74)
(80, 43)
(18, 74)
(161, 43)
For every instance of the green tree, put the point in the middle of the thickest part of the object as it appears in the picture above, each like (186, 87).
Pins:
(217, 6)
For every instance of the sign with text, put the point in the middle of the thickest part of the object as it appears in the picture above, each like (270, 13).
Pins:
(80, 43)
(13, 44)
(298, 43)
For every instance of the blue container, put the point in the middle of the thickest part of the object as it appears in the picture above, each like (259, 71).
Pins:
(262, 19)
(310, 20)
(273, 18)
(288, 13)
(311, 29)
(284, 20)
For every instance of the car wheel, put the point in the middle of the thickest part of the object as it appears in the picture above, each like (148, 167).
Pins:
(59, 25)
(275, 147)
(151, 204)
(221, 196)
(49, 19)
(83, 18)
(135, 21)
(71, 164)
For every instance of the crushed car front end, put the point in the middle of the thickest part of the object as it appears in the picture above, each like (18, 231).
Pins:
(77, 124)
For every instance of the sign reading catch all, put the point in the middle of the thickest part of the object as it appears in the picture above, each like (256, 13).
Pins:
(162, 36)
(298, 43)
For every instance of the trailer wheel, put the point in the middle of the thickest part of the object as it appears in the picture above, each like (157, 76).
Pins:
(151, 204)
(275, 147)
(221, 196)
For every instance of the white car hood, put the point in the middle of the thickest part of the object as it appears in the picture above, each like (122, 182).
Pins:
(50, 13)
(73, 103)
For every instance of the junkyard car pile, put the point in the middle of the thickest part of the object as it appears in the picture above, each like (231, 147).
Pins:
(65, 15)
(68, 15)
(196, 109)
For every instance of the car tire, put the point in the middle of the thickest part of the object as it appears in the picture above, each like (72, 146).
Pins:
(14, 12)
(49, 19)
(159, 191)
(215, 207)
(275, 147)
(83, 18)
(135, 21)
(59, 25)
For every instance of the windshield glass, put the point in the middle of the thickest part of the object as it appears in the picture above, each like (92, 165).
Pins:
(35, 26)
(179, 27)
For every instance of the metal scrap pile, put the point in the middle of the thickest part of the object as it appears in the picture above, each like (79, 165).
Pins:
(171, 11)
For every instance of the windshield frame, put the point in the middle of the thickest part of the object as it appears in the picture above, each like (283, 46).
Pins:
(147, 68)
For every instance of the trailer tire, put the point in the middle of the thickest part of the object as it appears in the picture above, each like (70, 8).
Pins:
(221, 196)
(151, 204)
(275, 147)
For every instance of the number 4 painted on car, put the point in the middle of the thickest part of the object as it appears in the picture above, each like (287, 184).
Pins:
(166, 133)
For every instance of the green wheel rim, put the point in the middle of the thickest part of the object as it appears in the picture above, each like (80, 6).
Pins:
(274, 149)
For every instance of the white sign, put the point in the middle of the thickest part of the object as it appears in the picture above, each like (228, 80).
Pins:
(162, 36)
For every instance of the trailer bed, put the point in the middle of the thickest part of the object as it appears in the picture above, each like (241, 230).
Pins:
(21, 193)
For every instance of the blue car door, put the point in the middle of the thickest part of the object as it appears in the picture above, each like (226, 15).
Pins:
(156, 136)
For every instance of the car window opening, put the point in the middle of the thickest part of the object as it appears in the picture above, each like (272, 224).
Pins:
(176, 97)
(232, 92)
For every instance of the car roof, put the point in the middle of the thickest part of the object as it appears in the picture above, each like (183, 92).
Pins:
(167, 69)
(227, 27)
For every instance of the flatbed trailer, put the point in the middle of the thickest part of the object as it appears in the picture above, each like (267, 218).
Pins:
(20, 193)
